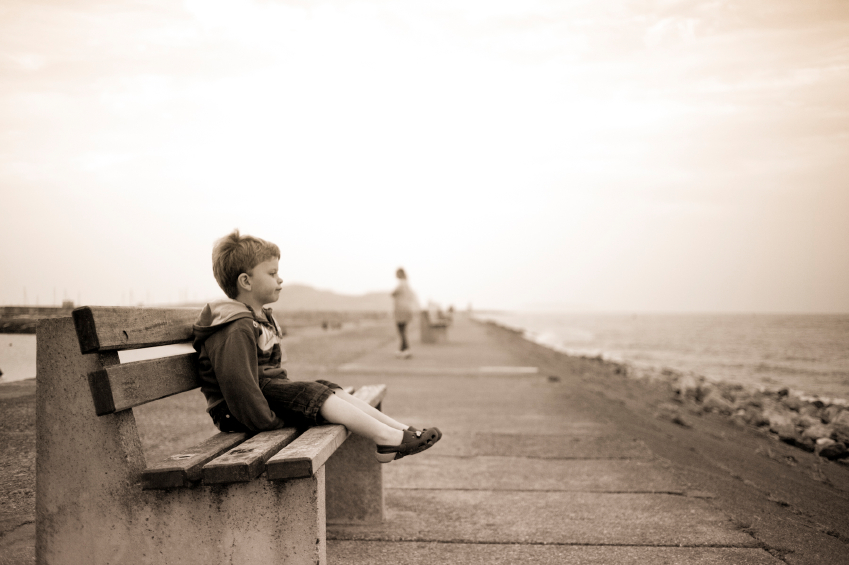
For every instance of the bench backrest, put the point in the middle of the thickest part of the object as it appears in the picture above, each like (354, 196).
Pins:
(122, 386)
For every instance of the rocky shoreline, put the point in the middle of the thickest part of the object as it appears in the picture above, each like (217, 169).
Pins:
(810, 423)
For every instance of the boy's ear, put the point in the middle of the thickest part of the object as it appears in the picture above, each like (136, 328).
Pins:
(244, 281)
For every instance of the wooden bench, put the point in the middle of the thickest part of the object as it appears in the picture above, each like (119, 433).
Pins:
(234, 498)
(433, 331)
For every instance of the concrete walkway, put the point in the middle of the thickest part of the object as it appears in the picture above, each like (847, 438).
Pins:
(525, 473)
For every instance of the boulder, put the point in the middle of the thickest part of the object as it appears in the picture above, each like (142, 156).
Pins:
(705, 388)
(792, 402)
(802, 442)
(811, 410)
(840, 424)
(829, 413)
(715, 402)
(731, 391)
(817, 431)
(746, 399)
(781, 424)
(755, 416)
(831, 449)
(804, 421)
(771, 405)
(688, 387)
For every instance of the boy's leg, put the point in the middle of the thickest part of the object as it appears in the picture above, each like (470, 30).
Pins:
(313, 401)
(370, 410)
(338, 411)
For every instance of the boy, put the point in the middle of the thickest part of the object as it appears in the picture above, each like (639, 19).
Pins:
(240, 359)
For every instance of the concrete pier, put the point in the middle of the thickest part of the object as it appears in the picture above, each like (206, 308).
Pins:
(527, 472)
(554, 459)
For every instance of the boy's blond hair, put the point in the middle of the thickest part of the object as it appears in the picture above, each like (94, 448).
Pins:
(235, 254)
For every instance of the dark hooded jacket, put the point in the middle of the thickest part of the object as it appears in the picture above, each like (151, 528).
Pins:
(239, 352)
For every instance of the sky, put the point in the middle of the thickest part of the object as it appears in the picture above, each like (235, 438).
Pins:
(598, 155)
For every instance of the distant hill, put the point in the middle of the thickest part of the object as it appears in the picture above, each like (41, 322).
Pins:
(299, 297)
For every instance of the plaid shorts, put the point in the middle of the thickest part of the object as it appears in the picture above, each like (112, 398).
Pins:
(297, 403)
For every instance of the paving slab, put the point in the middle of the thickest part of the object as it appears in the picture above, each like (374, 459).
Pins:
(424, 553)
(500, 473)
(529, 517)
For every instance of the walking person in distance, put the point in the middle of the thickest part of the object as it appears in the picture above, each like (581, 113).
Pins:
(405, 305)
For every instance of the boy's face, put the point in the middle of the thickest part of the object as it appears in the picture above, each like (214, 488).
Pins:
(265, 284)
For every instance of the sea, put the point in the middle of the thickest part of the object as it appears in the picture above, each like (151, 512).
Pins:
(17, 357)
(808, 354)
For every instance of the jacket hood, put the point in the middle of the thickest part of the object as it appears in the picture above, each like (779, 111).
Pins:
(217, 314)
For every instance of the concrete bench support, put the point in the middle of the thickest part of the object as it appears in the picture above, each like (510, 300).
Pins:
(90, 508)
(354, 483)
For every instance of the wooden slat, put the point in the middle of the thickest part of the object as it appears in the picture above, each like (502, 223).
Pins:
(115, 328)
(183, 468)
(120, 387)
(247, 461)
(304, 456)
